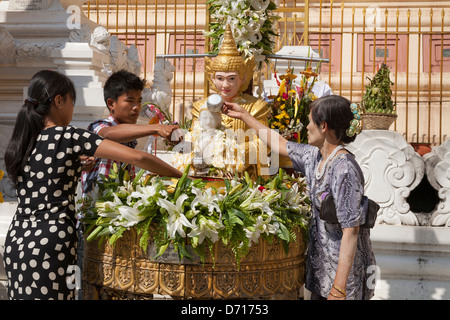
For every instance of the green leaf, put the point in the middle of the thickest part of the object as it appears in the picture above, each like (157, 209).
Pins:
(283, 232)
(182, 252)
(138, 176)
(162, 248)
(94, 234)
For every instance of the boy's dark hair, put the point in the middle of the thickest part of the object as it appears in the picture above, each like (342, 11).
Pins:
(335, 111)
(121, 82)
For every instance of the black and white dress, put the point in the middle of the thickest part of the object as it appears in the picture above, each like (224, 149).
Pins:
(41, 240)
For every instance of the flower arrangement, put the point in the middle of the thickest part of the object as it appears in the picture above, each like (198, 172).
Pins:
(252, 23)
(186, 211)
(290, 107)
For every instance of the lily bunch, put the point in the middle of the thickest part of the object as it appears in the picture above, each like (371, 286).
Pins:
(190, 213)
(252, 23)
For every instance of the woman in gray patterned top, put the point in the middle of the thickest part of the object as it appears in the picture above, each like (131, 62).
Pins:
(340, 261)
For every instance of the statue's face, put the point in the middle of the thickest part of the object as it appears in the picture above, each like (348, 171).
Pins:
(227, 84)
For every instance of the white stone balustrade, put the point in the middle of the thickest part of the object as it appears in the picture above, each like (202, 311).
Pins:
(391, 170)
(438, 173)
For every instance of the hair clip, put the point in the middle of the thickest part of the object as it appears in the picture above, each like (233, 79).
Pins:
(31, 101)
(48, 94)
(355, 123)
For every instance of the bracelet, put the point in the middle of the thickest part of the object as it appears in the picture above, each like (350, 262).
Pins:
(336, 295)
(340, 290)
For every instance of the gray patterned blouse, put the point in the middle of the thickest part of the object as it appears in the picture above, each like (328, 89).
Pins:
(344, 180)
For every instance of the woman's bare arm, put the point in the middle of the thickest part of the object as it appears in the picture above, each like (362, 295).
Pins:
(115, 151)
(346, 257)
(127, 132)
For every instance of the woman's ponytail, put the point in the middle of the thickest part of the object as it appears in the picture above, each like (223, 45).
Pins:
(31, 118)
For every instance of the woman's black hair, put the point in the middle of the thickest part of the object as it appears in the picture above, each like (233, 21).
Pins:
(121, 82)
(44, 86)
(335, 111)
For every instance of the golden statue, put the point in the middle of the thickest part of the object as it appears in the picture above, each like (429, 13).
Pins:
(230, 75)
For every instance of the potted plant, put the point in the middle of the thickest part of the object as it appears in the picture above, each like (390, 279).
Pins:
(378, 108)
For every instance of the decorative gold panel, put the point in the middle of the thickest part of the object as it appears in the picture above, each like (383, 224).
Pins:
(126, 272)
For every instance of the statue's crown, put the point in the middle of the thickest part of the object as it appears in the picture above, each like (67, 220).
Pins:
(230, 59)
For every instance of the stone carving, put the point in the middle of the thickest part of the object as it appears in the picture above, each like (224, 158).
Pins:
(36, 50)
(7, 47)
(126, 272)
(391, 170)
(100, 38)
(28, 4)
(437, 164)
(81, 35)
(118, 54)
(160, 92)
(133, 63)
(122, 57)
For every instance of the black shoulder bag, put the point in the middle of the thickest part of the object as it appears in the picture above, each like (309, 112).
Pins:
(328, 212)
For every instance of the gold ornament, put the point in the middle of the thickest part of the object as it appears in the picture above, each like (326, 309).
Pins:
(229, 59)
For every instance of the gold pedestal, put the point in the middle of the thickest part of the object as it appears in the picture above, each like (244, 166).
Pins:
(126, 272)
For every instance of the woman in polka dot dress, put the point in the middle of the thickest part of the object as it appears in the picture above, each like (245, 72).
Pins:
(43, 160)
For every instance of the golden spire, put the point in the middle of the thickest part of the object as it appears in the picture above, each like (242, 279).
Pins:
(228, 47)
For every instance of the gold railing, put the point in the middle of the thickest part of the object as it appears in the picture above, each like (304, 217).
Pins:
(159, 27)
(356, 38)
(411, 41)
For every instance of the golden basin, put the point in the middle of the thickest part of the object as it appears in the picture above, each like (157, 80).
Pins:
(127, 272)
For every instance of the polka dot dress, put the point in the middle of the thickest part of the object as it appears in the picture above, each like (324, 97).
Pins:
(41, 240)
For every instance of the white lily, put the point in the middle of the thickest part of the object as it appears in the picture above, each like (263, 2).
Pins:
(130, 216)
(143, 192)
(265, 226)
(256, 201)
(253, 236)
(295, 199)
(206, 229)
(177, 219)
(260, 4)
(126, 187)
(108, 208)
(207, 199)
(261, 226)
